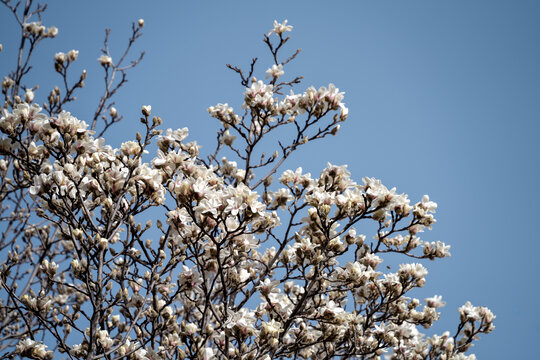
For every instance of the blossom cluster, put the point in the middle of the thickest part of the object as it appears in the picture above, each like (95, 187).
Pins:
(241, 267)
(36, 29)
(72, 164)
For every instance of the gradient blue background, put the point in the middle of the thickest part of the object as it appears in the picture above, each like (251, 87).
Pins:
(443, 98)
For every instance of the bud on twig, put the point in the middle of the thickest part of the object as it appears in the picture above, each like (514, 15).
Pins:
(146, 110)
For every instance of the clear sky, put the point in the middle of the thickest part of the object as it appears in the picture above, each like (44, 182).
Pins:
(443, 99)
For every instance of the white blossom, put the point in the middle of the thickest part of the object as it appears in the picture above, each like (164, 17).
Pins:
(280, 28)
(105, 60)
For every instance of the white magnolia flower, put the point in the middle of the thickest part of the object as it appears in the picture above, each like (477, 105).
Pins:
(105, 60)
(275, 71)
(52, 31)
(146, 109)
(435, 301)
(73, 54)
(242, 320)
(32, 349)
(280, 28)
(60, 57)
(29, 96)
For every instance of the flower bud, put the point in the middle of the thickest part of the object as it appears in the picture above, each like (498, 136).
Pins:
(73, 54)
(78, 233)
(29, 96)
(268, 181)
(60, 58)
(105, 60)
(102, 242)
(52, 31)
(146, 110)
(228, 138)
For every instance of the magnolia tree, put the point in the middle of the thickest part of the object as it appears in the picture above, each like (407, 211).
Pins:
(241, 266)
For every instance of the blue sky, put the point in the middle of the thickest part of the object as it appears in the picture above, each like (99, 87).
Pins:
(443, 99)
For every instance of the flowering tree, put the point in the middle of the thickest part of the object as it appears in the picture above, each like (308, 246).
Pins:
(241, 267)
